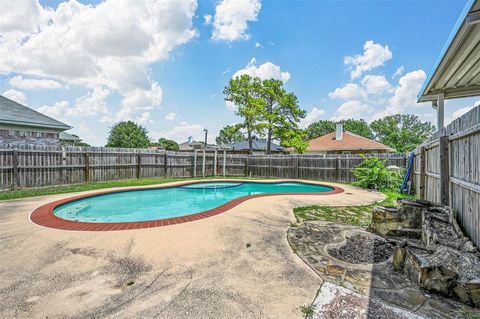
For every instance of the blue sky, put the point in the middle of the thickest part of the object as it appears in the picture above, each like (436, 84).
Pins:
(165, 64)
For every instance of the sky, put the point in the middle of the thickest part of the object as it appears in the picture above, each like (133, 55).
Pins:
(164, 64)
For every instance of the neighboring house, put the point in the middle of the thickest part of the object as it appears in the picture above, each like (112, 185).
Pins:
(69, 139)
(259, 146)
(344, 142)
(190, 146)
(22, 125)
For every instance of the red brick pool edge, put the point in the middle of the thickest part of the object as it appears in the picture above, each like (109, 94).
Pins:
(44, 215)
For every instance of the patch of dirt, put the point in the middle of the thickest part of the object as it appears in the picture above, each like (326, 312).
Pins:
(363, 249)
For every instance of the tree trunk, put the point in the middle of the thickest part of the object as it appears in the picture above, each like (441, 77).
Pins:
(250, 144)
(269, 141)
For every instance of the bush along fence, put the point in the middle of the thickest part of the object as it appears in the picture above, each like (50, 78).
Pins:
(35, 165)
(447, 170)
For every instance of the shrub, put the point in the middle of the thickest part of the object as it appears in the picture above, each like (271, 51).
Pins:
(373, 174)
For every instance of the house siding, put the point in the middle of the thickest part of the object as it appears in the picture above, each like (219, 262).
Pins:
(22, 136)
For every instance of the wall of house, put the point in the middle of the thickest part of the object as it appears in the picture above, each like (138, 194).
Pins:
(27, 136)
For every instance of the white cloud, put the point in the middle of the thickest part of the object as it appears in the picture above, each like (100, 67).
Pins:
(109, 45)
(314, 115)
(265, 71)
(16, 96)
(399, 72)
(57, 111)
(374, 55)
(349, 91)
(181, 132)
(375, 84)
(258, 45)
(231, 17)
(27, 84)
(207, 19)
(19, 16)
(91, 104)
(352, 109)
(144, 118)
(405, 94)
(171, 116)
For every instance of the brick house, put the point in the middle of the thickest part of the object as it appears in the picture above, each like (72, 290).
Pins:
(344, 142)
(22, 125)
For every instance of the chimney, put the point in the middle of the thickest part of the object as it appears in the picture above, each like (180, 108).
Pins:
(339, 132)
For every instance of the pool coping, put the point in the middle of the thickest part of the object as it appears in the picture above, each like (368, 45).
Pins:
(44, 215)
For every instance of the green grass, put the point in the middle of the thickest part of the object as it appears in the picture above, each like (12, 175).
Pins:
(51, 190)
(308, 311)
(351, 215)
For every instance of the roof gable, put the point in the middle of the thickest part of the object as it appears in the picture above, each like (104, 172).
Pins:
(349, 142)
(15, 113)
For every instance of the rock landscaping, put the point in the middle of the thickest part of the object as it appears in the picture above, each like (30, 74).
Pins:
(413, 258)
(443, 260)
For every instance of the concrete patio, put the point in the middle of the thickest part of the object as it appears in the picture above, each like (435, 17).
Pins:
(234, 265)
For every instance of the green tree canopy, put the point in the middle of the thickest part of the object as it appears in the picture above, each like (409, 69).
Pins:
(280, 115)
(319, 128)
(359, 127)
(266, 109)
(128, 134)
(322, 127)
(167, 144)
(243, 92)
(230, 134)
(403, 132)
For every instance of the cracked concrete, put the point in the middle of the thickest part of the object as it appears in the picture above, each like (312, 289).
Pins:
(201, 269)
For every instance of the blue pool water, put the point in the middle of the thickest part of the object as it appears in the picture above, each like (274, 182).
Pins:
(160, 203)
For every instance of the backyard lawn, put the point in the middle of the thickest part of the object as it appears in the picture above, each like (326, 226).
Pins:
(352, 215)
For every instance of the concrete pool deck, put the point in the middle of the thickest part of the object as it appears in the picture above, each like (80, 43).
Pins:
(237, 264)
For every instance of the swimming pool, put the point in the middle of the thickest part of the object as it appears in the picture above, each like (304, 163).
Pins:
(167, 204)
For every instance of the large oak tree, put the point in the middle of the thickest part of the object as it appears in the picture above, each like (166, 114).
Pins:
(403, 132)
(242, 91)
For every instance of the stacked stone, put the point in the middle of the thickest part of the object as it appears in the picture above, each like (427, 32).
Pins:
(432, 250)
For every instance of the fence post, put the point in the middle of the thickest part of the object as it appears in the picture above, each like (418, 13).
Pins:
(269, 167)
(215, 163)
(337, 169)
(87, 167)
(203, 163)
(139, 164)
(411, 178)
(422, 172)
(444, 170)
(64, 164)
(297, 166)
(224, 168)
(165, 164)
(16, 179)
(195, 163)
(247, 168)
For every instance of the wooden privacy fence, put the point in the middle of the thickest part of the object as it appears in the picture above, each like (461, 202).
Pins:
(38, 165)
(447, 170)
(331, 167)
(34, 165)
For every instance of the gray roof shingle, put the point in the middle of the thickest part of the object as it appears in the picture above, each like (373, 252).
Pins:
(14, 113)
(257, 145)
